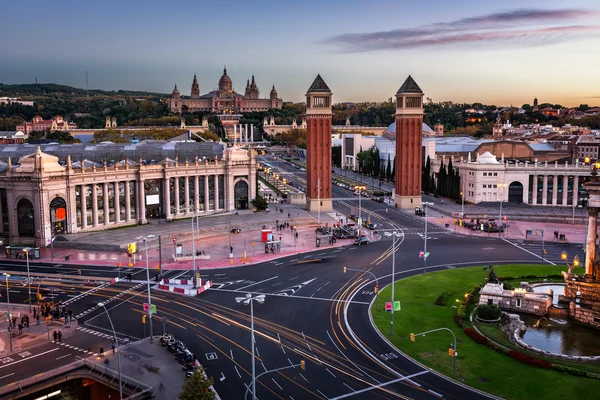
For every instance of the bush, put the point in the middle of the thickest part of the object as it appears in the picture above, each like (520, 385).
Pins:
(476, 336)
(508, 286)
(489, 312)
(525, 359)
(442, 299)
(571, 371)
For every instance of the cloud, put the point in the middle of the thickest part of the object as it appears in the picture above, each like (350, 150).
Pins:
(505, 28)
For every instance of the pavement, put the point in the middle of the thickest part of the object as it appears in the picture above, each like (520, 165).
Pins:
(31, 336)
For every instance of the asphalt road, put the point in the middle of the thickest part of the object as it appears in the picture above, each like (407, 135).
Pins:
(313, 312)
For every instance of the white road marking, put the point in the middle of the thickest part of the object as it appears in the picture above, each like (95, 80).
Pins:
(278, 283)
(6, 376)
(348, 386)
(330, 372)
(304, 378)
(525, 250)
(66, 355)
(322, 394)
(436, 393)
(295, 259)
(256, 283)
(282, 349)
(327, 283)
(259, 291)
(238, 372)
(291, 279)
(231, 352)
(291, 363)
(257, 353)
(277, 383)
(222, 377)
(264, 366)
(29, 358)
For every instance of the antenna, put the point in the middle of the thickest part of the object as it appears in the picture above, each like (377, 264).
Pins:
(86, 85)
(36, 80)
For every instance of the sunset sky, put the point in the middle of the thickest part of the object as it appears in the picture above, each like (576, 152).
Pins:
(461, 50)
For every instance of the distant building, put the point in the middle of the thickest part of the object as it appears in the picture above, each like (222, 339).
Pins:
(12, 137)
(588, 146)
(57, 123)
(9, 101)
(224, 100)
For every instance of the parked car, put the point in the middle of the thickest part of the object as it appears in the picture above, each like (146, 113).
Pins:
(362, 240)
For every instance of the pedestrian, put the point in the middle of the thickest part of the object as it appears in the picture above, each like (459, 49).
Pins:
(60, 336)
(289, 215)
(70, 315)
(55, 335)
(34, 313)
(20, 328)
(113, 347)
(37, 319)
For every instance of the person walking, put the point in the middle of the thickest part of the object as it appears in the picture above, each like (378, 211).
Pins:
(59, 336)
(20, 328)
(55, 335)
(70, 315)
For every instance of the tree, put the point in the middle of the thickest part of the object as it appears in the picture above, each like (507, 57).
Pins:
(388, 169)
(336, 155)
(197, 387)
(260, 203)
(365, 161)
(426, 176)
(394, 170)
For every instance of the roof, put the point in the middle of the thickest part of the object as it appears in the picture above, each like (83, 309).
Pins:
(409, 86)
(541, 147)
(392, 128)
(319, 85)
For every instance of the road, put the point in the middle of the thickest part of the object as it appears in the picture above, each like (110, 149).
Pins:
(313, 312)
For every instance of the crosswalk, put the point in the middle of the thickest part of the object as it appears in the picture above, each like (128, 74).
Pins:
(106, 333)
(68, 346)
(115, 297)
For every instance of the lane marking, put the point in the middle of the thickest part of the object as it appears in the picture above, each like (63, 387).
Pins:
(29, 358)
(304, 378)
(527, 251)
(238, 372)
(277, 383)
(322, 394)
(306, 297)
(6, 376)
(231, 353)
(66, 355)
(434, 392)
(330, 372)
(345, 384)
(256, 283)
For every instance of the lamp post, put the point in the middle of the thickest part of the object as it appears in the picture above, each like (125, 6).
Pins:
(501, 187)
(248, 299)
(425, 204)
(462, 206)
(117, 347)
(396, 234)
(8, 311)
(27, 250)
(360, 189)
(145, 239)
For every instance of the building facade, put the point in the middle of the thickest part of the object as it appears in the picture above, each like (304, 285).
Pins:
(224, 100)
(45, 193)
(57, 123)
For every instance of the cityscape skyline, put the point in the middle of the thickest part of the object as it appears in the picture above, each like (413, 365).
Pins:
(461, 52)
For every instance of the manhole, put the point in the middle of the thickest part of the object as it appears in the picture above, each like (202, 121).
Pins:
(484, 380)
(132, 357)
(426, 354)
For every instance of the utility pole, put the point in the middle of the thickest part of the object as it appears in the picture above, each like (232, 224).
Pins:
(319, 200)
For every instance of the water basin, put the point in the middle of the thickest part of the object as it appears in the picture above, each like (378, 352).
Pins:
(559, 289)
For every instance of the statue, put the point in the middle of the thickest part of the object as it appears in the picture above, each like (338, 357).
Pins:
(492, 278)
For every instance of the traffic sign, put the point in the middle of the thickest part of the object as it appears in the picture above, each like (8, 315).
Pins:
(388, 306)
(421, 254)
(426, 254)
(397, 305)
(146, 307)
(152, 308)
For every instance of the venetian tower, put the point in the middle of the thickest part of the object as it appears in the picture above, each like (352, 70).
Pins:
(318, 146)
(409, 131)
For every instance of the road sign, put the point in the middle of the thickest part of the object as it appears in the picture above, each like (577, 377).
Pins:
(131, 248)
(421, 254)
(397, 305)
(146, 307)
(426, 254)
(152, 308)
(388, 306)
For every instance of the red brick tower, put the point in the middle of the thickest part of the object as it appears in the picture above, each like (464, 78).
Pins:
(318, 146)
(409, 131)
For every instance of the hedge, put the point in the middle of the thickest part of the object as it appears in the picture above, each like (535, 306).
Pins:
(526, 359)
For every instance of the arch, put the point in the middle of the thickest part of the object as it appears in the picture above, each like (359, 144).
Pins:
(58, 216)
(25, 218)
(240, 195)
(515, 192)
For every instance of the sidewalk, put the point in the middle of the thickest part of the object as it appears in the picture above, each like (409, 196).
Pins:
(31, 336)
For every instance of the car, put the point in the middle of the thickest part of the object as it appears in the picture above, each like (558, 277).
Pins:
(362, 240)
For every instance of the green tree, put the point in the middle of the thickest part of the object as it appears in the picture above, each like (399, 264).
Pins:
(388, 169)
(426, 176)
(197, 387)
(365, 161)
(394, 170)
(336, 155)
(260, 203)
(62, 137)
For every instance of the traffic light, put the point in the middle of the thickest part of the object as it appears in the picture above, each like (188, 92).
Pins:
(563, 255)
(302, 365)
(174, 240)
(143, 319)
(451, 352)
(412, 337)
(344, 269)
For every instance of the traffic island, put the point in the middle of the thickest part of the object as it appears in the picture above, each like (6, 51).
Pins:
(477, 365)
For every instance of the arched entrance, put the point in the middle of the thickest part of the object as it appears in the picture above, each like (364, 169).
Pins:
(241, 195)
(25, 218)
(58, 216)
(515, 193)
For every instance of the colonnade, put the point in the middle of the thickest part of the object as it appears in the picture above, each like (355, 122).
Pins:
(553, 200)
(243, 133)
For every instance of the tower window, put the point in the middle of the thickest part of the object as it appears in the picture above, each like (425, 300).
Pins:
(413, 102)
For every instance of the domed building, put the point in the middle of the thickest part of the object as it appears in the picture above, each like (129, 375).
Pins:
(224, 100)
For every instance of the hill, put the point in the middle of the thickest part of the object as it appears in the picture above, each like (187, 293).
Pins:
(33, 91)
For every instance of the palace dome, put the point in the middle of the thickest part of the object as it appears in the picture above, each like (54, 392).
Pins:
(225, 84)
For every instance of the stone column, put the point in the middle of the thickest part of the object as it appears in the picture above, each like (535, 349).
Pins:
(554, 190)
(545, 190)
(83, 207)
(590, 244)
(534, 191)
(565, 197)
(117, 203)
(141, 200)
(1, 217)
(575, 190)
(166, 198)
(127, 202)
(105, 197)
(252, 133)
(196, 194)
(216, 178)
(94, 206)
(176, 195)
(206, 193)
(246, 133)
(186, 193)
(234, 132)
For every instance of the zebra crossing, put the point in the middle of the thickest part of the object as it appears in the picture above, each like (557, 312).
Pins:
(107, 301)
(68, 346)
(86, 293)
(106, 333)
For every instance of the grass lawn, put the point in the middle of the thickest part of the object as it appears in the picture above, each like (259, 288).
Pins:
(477, 365)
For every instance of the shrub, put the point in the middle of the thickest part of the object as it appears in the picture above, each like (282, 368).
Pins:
(442, 299)
(525, 359)
(508, 286)
(571, 371)
(260, 203)
(476, 336)
(489, 311)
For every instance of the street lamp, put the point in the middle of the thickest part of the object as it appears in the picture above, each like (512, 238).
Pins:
(248, 299)
(425, 204)
(360, 189)
(145, 239)
(117, 347)
(8, 311)
(27, 250)
(501, 187)
(462, 207)
(396, 234)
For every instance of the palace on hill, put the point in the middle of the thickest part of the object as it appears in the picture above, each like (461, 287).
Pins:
(224, 100)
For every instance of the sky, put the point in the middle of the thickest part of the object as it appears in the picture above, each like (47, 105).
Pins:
(503, 53)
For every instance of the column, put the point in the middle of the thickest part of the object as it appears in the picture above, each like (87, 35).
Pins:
(575, 190)
(105, 197)
(246, 133)
(127, 202)
(94, 206)
(252, 133)
(590, 243)
(166, 198)
(186, 193)
(554, 189)
(196, 194)
(234, 132)
(545, 190)
(565, 198)
(83, 207)
(141, 200)
(117, 203)
(534, 190)
(1, 217)
(176, 195)
(205, 193)
(216, 178)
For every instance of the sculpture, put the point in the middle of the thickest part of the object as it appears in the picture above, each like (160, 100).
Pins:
(492, 278)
